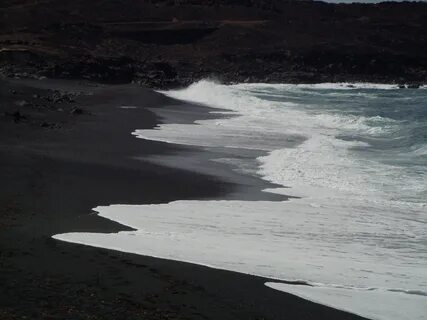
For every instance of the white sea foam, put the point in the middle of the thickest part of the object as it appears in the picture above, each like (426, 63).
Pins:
(302, 144)
(342, 298)
(128, 107)
(358, 248)
(358, 233)
(325, 85)
(421, 150)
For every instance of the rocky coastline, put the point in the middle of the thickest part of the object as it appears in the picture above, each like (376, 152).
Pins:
(163, 44)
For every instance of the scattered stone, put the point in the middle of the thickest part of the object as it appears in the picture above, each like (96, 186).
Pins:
(77, 111)
(17, 116)
(22, 103)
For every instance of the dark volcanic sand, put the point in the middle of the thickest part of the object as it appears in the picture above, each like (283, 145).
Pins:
(58, 162)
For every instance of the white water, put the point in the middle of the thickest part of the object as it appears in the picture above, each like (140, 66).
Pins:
(346, 255)
(358, 234)
(366, 300)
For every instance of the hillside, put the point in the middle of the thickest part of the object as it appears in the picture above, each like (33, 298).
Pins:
(172, 43)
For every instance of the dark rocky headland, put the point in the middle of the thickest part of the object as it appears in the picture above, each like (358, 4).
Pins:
(173, 43)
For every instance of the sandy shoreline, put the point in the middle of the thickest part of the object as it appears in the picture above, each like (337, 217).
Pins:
(54, 174)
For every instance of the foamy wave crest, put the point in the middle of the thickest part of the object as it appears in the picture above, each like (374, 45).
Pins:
(373, 304)
(421, 150)
(325, 86)
(357, 124)
(237, 99)
(304, 142)
(417, 292)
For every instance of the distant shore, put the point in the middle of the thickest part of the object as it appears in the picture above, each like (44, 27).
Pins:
(165, 44)
(67, 147)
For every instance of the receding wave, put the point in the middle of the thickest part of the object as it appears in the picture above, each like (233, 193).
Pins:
(348, 287)
(355, 263)
(352, 154)
(325, 135)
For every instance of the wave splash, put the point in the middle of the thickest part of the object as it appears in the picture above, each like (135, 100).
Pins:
(352, 152)
(315, 137)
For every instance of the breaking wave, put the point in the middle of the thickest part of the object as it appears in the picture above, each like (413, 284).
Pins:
(353, 154)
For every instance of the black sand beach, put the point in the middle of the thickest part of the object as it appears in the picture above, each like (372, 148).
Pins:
(63, 154)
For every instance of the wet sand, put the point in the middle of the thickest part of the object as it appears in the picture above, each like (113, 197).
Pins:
(60, 158)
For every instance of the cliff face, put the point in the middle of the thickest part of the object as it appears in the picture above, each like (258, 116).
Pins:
(172, 43)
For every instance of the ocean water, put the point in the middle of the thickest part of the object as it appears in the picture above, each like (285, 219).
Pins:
(355, 155)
